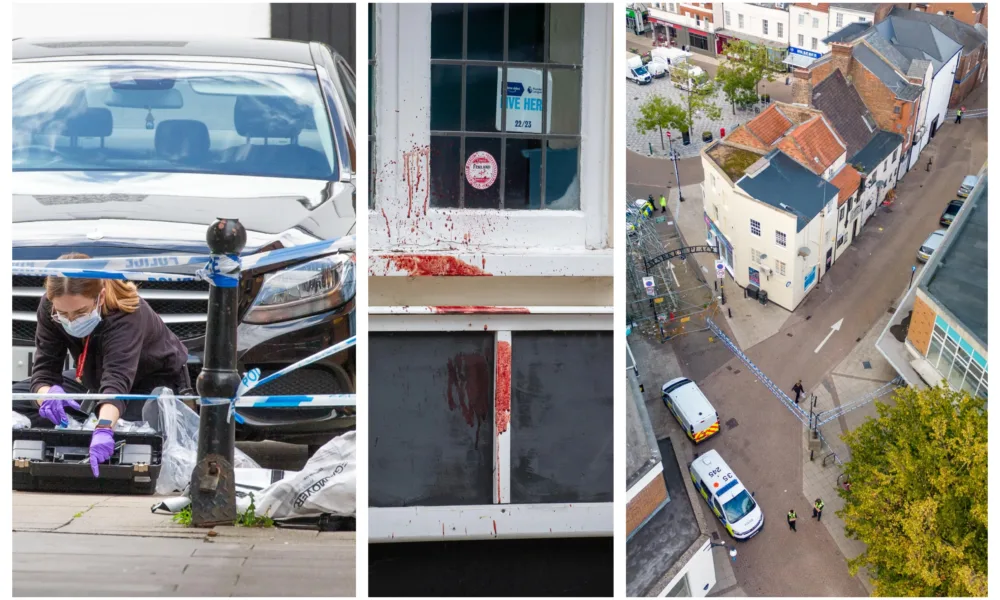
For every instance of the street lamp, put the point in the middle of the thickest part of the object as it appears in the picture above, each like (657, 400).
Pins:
(677, 177)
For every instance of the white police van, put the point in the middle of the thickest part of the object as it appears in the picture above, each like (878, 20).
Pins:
(726, 496)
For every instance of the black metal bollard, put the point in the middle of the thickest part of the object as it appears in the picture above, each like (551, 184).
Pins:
(213, 484)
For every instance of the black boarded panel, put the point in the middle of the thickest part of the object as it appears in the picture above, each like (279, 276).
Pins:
(328, 23)
(430, 401)
(562, 414)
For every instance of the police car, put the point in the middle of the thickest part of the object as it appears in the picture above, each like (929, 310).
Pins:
(729, 500)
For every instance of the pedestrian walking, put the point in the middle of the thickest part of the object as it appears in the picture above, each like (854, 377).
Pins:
(732, 553)
(930, 163)
(958, 115)
(791, 520)
(663, 203)
(818, 509)
(799, 390)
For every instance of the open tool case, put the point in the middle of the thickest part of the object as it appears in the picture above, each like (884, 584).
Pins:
(50, 460)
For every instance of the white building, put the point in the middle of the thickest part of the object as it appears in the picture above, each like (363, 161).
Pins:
(878, 163)
(762, 23)
(685, 24)
(843, 14)
(809, 24)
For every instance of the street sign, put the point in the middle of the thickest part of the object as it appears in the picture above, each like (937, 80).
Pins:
(720, 269)
(668, 135)
(650, 286)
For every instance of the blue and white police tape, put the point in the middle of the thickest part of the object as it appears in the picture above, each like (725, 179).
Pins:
(219, 270)
(252, 378)
(298, 253)
(292, 401)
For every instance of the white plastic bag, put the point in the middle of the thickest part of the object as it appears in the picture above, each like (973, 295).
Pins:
(178, 425)
(325, 485)
(20, 421)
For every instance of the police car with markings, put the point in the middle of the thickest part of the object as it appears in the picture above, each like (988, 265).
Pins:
(729, 500)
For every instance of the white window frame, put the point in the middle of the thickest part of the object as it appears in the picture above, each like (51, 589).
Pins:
(739, 18)
(802, 18)
(778, 237)
(781, 267)
(500, 520)
(496, 242)
(755, 256)
(752, 222)
(763, 26)
(780, 29)
(815, 22)
(729, 20)
(840, 21)
(815, 44)
(802, 41)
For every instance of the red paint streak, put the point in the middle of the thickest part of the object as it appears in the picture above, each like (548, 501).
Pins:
(442, 528)
(486, 310)
(431, 265)
(484, 263)
(409, 186)
(494, 527)
(503, 387)
(467, 389)
(386, 217)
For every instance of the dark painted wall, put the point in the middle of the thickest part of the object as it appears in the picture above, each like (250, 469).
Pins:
(331, 24)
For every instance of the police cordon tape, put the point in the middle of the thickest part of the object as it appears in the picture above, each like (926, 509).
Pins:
(218, 270)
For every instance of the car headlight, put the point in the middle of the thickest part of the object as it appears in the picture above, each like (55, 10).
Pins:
(313, 287)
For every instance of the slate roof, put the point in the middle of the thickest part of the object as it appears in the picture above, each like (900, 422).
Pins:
(968, 36)
(847, 181)
(902, 40)
(851, 31)
(845, 110)
(858, 6)
(875, 151)
(903, 89)
(813, 144)
(785, 183)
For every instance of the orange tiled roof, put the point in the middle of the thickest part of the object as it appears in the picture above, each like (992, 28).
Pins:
(847, 181)
(813, 144)
(769, 125)
(744, 137)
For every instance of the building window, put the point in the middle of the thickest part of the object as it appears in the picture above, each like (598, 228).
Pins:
(781, 239)
(949, 13)
(802, 18)
(755, 256)
(697, 20)
(841, 239)
(740, 19)
(956, 361)
(780, 267)
(862, 19)
(505, 106)
(755, 227)
(897, 109)
(729, 21)
(802, 40)
(682, 589)
(815, 22)
(843, 211)
(698, 41)
(763, 26)
(814, 43)
(840, 20)
(895, 154)
(781, 29)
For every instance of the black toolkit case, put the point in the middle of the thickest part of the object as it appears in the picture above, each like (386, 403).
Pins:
(55, 460)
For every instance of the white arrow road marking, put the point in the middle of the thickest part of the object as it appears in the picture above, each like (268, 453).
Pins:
(834, 327)
(670, 266)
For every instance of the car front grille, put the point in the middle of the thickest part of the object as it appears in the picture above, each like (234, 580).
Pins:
(181, 304)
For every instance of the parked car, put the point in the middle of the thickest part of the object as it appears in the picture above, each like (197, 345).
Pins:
(134, 148)
(931, 244)
(950, 212)
(967, 184)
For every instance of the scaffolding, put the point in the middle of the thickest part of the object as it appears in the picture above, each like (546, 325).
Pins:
(682, 297)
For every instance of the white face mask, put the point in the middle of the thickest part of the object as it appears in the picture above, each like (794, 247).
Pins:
(82, 326)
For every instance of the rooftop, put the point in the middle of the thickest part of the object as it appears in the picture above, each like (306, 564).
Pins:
(233, 48)
(655, 547)
(732, 160)
(875, 151)
(958, 279)
(851, 31)
(903, 40)
(847, 181)
(857, 6)
(968, 36)
(641, 453)
(769, 125)
(845, 110)
(813, 144)
(818, 6)
(887, 74)
(786, 185)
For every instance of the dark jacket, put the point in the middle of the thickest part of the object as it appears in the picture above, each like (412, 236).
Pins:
(128, 353)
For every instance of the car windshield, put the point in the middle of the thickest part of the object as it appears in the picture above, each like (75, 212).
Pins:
(953, 209)
(640, 71)
(739, 507)
(171, 117)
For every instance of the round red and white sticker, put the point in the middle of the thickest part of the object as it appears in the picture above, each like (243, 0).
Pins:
(481, 170)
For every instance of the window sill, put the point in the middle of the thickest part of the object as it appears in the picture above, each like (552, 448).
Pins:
(487, 522)
(535, 262)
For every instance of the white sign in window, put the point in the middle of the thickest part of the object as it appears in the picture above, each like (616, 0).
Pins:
(524, 100)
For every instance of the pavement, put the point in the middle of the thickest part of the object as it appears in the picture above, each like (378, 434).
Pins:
(761, 440)
(101, 545)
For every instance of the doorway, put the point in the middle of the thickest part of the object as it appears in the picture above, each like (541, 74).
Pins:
(934, 126)
(829, 259)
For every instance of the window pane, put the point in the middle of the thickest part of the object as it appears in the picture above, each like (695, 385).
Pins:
(564, 116)
(489, 196)
(520, 188)
(562, 406)
(935, 351)
(527, 33)
(446, 97)
(485, 32)
(446, 31)
(566, 33)
(481, 91)
(446, 171)
(562, 181)
(431, 424)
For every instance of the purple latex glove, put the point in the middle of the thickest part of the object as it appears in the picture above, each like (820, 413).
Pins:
(55, 410)
(102, 446)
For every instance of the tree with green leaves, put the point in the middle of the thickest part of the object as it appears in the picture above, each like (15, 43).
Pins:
(737, 84)
(918, 495)
(659, 114)
(747, 64)
(699, 93)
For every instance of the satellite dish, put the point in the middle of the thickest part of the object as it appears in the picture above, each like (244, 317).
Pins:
(763, 257)
(804, 251)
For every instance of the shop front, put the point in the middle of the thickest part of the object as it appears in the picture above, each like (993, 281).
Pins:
(718, 241)
(682, 36)
(800, 58)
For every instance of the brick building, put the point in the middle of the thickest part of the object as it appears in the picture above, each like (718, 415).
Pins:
(668, 548)
(970, 13)
(940, 330)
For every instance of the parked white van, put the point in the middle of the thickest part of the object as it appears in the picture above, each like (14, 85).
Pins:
(697, 416)
(635, 71)
(726, 496)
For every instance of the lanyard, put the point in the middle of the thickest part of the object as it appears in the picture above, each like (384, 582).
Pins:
(83, 359)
